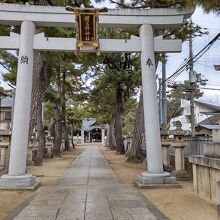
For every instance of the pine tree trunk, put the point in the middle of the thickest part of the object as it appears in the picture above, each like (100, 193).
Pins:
(135, 153)
(65, 130)
(118, 120)
(40, 84)
(38, 92)
(52, 133)
(52, 127)
(58, 130)
(66, 137)
(107, 139)
(112, 145)
(41, 139)
(73, 145)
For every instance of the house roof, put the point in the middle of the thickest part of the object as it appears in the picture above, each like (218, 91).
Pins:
(7, 102)
(213, 106)
(209, 104)
(90, 123)
(212, 120)
(96, 124)
(209, 127)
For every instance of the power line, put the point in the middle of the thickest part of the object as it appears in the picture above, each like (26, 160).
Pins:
(203, 65)
(188, 61)
(2, 80)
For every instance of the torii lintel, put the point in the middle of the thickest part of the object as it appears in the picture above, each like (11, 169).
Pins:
(48, 16)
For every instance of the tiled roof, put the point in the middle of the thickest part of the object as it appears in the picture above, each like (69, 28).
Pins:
(212, 120)
(209, 127)
(89, 124)
(209, 104)
(7, 102)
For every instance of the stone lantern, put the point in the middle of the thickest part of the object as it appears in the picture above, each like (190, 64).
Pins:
(29, 151)
(49, 145)
(179, 144)
(165, 145)
(4, 144)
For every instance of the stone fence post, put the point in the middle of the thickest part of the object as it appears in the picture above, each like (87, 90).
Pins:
(4, 151)
(179, 144)
(4, 144)
(218, 199)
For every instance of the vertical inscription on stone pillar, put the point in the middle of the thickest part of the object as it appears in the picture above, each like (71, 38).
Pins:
(149, 62)
(24, 60)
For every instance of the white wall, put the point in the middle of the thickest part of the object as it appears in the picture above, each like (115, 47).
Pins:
(185, 117)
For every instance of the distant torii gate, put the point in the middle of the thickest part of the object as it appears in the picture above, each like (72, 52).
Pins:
(146, 20)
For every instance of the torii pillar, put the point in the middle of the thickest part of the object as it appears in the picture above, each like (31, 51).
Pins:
(154, 174)
(17, 177)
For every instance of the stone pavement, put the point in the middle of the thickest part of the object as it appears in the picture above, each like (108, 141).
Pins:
(89, 190)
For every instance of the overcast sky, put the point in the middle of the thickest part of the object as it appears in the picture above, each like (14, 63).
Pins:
(205, 64)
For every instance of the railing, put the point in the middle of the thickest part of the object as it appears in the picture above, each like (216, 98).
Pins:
(195, 146)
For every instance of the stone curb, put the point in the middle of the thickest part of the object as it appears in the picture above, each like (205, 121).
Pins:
(19, 208)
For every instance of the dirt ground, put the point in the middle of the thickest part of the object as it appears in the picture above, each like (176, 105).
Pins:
(176, 204)
(47, 174)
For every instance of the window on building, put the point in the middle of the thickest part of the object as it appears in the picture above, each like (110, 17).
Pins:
(8, 116)
(1, 116)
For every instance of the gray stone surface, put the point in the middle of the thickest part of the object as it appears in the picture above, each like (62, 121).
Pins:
(22, 182)
(89, 190)
(205, 161)
(149, 179)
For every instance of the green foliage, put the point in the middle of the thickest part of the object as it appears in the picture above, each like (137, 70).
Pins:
(48, 113)
(75, 115)
(1, 89)
(4, 30)
(207, 5)
(9, 62)
(185, 90)
(102, 101)
(187, 30)
(129, 116)
(181, 91)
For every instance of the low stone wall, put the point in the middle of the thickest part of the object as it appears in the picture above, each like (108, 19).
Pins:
(206, 172)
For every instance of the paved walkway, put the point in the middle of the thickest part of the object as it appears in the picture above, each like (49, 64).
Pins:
(89, 190)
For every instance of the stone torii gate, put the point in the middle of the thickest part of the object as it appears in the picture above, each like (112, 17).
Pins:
(29, 17)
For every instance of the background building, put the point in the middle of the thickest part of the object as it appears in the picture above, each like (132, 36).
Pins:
(6, 104)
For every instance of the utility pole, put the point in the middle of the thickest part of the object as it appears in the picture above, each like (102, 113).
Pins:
(192, 80)
(160, 100)
(164, 95)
